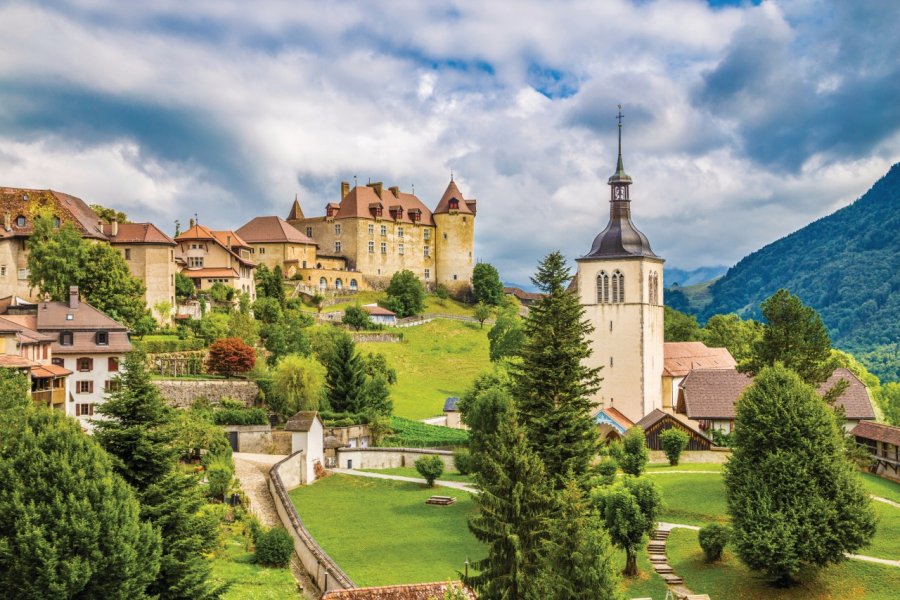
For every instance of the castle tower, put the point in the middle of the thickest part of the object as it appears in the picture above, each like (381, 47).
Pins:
(454, 220)
(620, 286)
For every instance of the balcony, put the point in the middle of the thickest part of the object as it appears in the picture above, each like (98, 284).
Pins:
(49, 397)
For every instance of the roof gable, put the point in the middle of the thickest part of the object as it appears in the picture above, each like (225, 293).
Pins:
(17, 202)
(452, 193)
(137, 233)
(272, 229)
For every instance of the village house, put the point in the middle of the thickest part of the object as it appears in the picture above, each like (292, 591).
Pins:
(380, 315)
(883, 443)
(30, 352)
(275, 243)
(307, 436)
(209, 257)
(680, 358)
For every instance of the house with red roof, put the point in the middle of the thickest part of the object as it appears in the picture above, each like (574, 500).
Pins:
(209, 257)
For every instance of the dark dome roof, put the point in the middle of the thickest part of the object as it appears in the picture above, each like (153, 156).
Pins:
(620, 239)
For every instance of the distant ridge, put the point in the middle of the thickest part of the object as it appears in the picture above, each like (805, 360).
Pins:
(682, 277)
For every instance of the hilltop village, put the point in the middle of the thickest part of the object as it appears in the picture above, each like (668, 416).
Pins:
(353, 406)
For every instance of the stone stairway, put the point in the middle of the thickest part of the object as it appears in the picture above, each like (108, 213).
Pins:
(657, 552)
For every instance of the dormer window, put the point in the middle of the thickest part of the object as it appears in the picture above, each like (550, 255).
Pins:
(20, 221)
(102, 338)
(454, 204)
(65, 338)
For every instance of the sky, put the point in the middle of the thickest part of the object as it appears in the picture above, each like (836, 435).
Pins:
(744, 121)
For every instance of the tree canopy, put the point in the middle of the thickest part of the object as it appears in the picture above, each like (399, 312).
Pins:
(405, 294)
(486, 284)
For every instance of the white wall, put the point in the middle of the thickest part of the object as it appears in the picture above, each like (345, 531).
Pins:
(388, 458)
(99, 374)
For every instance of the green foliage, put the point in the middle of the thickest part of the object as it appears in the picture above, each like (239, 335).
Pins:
(268, 310)
(486, 285)
(69, 526)
(290, 335)
(482, 313)
(630, 510)
(606, 471)
(552, 386)
(244, 327)
(275, 547)
(356, 317)
(212, 326)
(442, 293)
(377, 365)
(430, 468)
(462, 461)
(14, 387)
(680, 327)
(108, 215)
(795, 336)
(270, 284)
(298, 383)
(235, 413)
(192, 431)
(377, 396)
(164, 309)
(229, 356)
(164, 344)
(219, 473)
(507, 336)
(732, 332)
(793, 496)
(222, 293)
(405, 294)
(345, 382)
(673, 442)
(635, 453)
(415, 434)
(484, 406)
(713, 539)
(323, 340)
(888, 398)
(184, 288)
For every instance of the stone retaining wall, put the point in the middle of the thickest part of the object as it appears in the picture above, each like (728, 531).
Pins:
(324, 572)
(714, 456)
(388, 458)
(181, 393)
(365, 337)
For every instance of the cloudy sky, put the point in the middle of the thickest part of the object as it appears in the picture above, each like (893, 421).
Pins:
(744, 120)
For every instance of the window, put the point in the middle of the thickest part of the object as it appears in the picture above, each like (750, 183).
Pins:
(112, 364)
(445, 236)
(65, 338)
(384, 230)
(337, 247)
(195, 262)
(56, 222)
(602, 288)
(400, 249)
(371, 247)
(23, 274)
(262, 250)
(399, 232)
(383, 247)
(20, 221)
(454, 278)
(427, 273)
(610, 361)
(3, 271)
(371, 229)
(85, 364)
(353, 285)
(337, 229)
(84, 409)
(57, 361)
(84, 387)
(465, 220)
(426, 235)
(323, 283)
(102, 338)
(309, 232)
(338, 284)
(127, 253)
(112, 385)
(426, 251)
(654, 288)
(618, 287)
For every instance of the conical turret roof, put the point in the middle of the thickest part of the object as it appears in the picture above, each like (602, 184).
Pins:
(452, 192)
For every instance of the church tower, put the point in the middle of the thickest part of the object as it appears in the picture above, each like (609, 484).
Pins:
(620, 283)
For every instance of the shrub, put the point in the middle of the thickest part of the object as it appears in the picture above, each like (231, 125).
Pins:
(430, 468)
(713, 538)
(274, 547)
(673, 442)
(229, 356)
(606, 469)
(218, 475)
(164, 344)
(356, 317)
(406, 294)
(635, 453)
(240, 416)
(462, 460)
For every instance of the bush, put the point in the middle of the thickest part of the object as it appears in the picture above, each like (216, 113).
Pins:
(164, 344)
(219, 472)
(606, 470)
(240, 416)
(635, 453)
(356, 317)
(462, 460)
(430, 468)
(713, 538)
(229, 356)
(274, 547)
(673, 442)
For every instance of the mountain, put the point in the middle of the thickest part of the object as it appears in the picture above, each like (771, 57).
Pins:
(683, 277)
(845, 265)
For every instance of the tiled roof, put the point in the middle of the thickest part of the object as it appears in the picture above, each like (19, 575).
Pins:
(13, 361)
(58, 316)
(415, 591)
(450, 193)
(713, 393)
(17, 202)
(356, 204)
(137, 233)
(657, 415)
(877, 431)
(201, 232)
(375, 310)
(618, 417)
(302, 421)
(450, 404)
(222, 273)
(522, 294)
(85, 342)
(683, 357)
(262, 230)
(49, 371)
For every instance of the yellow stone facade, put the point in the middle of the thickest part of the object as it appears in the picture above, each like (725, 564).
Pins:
(14, 269)
(290, 257)
(454, 247)
(153, 264)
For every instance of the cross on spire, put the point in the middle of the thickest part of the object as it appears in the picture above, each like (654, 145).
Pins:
(619, 118)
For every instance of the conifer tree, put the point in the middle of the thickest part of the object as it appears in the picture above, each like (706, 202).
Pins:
(792, 493)
(345, 382)
(551, 385)
(576, 556)
(512, 506)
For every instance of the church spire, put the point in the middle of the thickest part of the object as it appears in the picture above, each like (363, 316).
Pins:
(620, 177)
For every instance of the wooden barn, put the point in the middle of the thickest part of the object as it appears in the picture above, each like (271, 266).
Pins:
(658, 421)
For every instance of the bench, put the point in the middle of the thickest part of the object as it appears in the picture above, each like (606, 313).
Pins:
(441, 500)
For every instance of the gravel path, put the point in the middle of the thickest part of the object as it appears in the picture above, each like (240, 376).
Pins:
(252, 470)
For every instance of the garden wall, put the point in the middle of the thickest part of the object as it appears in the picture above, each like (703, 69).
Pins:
(365, 337)
(326, 574)
(181, 393)
(716, 455)
(387, 458)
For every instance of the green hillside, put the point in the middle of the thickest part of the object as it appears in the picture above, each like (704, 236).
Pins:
(845, 265)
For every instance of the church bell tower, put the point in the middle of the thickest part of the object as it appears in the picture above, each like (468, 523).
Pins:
(620, 283)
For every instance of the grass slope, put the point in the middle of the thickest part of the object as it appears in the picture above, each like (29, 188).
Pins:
(729, 579)
(234, 564)
(434, 361)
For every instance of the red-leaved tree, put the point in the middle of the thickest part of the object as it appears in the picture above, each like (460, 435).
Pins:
(228, 356)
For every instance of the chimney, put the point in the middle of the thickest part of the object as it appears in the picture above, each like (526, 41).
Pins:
(73, 296)
(395, 191)
(377, 186)
(191, 223)
(345, 188)
(114, 228)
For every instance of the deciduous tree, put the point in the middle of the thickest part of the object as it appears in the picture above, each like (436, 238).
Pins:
(356, 317)
(680, 327)
(673, 442)
(507, 336)
(629, 510)
(732, 332)
(635, 454)
(405, 294)
(486, 284)
(229, 356)
(299, 384)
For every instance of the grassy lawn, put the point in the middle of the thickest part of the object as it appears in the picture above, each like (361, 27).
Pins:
(881, 487)
(432, 304)
(653, 468)
(886, 543)
(646, 584)
(411, 472)
(692, 499)
(234, 564)
(434, 361)
(731, 580)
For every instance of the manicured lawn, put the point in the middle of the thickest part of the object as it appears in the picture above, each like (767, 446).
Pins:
(434, 361)
(886, 543)
(731, 580)
(646, 584)
(684, 466)
(692, 499)
(411, 472)
(234, 564)
(881, 487)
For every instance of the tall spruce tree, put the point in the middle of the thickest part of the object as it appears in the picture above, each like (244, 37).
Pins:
(552, 386)
(135, 435)
(512, 507)
(793, 495)
(345, 382)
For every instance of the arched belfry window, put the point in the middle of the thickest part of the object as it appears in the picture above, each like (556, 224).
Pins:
(654, 288)
(602, 288)
(618, 287)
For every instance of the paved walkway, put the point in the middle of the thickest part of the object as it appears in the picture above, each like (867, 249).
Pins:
(885, 500)
(252, 470)
(450, 484)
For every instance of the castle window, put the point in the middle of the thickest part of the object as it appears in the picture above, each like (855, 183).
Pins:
(337, 229)
(426, 235)
(353, 285)
(427, 273)
(309, 232)
(618, 287)
(603, 288)
(384, 230)
(610, 361)
(337, 247)
(384, 247)
(323, 283)
(400, 249)
(338, 284)
(127, 253)
(56, 222)
(445, 236)
(3, 271)
(371, 229)
(20, 221)
(426, 251)
(465, 220)
(195, 262)
(654, 288)
(399, 232)
(454, 278)
(262, 250)
(371, 247)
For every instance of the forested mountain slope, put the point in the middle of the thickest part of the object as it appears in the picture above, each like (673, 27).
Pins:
(845, 265)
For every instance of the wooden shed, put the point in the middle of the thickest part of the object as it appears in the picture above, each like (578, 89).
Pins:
(658, 421)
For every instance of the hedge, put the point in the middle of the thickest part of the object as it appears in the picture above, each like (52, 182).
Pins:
(240, 416)
(165, 344)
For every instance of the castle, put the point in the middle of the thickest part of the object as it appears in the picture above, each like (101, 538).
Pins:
(374, 231)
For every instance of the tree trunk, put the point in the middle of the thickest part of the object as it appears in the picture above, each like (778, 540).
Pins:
(630, 563)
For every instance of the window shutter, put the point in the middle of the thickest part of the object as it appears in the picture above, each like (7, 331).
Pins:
(90, 387)
(113, 364)
(90, 364)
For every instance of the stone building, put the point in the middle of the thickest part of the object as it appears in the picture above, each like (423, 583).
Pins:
(374, 232)
(275, 243)
(209, 257)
